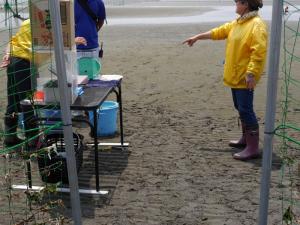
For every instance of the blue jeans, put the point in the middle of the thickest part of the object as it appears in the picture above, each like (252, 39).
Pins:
(243, 103)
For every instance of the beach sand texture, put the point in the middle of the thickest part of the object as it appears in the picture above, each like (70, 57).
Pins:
(178, 119)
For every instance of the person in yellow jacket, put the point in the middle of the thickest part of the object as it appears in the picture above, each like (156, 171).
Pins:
(246, 50)
(20, 83)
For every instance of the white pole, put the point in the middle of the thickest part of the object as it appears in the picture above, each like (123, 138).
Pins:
(273, 70)
(65, 108)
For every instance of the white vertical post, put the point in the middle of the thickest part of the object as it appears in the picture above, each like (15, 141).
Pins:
(65, 108)
(273, 70)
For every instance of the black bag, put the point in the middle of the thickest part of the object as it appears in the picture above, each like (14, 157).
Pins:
(88, 10)
(53, 165)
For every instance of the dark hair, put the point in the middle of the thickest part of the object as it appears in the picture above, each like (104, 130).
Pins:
(254, 4)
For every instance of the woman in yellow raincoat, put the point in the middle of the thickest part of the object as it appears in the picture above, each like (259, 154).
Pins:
(246, 51)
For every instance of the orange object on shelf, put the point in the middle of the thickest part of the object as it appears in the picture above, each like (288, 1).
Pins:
(39, 96)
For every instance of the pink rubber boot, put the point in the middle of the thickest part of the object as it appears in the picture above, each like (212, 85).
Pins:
(239, 143)
(251, 151)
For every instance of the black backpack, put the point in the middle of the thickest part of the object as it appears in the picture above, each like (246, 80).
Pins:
(88, 10)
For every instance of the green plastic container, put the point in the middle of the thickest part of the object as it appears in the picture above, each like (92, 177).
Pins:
(89, 66)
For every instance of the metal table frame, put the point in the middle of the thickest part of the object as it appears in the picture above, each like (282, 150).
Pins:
(90, 100)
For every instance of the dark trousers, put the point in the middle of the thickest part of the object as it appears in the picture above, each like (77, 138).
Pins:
(243, 103)
(20, 85)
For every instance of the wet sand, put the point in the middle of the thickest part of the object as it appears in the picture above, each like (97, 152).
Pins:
(178, 120)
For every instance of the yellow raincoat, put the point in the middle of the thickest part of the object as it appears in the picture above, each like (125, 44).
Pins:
(21, 47)
(21, 42)
(246, 49)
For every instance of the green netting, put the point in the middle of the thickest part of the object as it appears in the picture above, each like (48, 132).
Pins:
(27, 207)
(19, 206)
(289, 128)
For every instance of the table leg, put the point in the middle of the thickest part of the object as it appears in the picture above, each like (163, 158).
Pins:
(29, 177)
(121, 114)
(96, 148)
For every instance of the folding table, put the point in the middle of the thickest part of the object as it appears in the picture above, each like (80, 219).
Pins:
(94, 94)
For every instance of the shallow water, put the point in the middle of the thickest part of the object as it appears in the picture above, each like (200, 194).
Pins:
(218, 14)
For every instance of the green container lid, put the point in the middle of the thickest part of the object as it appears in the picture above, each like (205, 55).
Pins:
(89, 66)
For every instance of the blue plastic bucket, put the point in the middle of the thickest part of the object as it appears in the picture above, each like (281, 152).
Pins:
(107, 118)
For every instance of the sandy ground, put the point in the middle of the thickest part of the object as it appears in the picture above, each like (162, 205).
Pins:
(178, 119)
